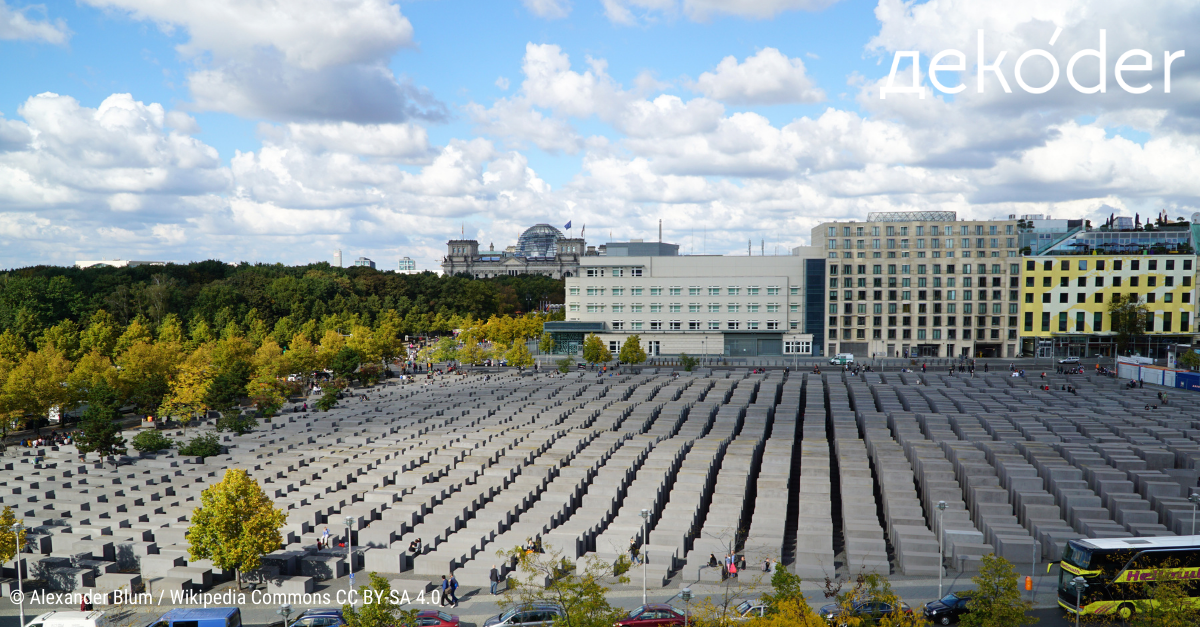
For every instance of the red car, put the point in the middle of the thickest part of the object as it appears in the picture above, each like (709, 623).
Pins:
(652, 615)
(434, 618)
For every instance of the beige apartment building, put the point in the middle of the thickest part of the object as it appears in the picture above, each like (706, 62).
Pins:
(703, 305)
(921, 284)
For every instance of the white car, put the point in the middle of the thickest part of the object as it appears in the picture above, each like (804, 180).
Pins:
(1069, 360)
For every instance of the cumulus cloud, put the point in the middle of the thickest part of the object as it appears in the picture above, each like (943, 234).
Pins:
(769, 77)
(18, 24)
(288, 60)
(549, 9)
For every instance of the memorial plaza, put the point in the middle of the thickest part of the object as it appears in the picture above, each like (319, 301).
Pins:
(830, 474)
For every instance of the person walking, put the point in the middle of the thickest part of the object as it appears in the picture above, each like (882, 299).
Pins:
(453, 590)
(633, 552)
(325, 537)
(445, 591)
(494, 577)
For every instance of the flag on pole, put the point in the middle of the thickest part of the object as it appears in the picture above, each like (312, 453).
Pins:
(568, 225)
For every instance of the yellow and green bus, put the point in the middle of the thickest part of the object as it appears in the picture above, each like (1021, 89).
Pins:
(1118, 572)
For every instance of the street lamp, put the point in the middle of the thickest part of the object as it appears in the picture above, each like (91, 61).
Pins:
(1079, 584)
(686, 595)
(645, 553)
(1195, 499)
(941, 546)
(17, 529)
(349, 557)
(284, 610)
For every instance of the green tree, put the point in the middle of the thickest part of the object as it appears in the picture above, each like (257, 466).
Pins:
(471, 352)
(874, 587)
(594, 350)
(996, 598)
(786, 605)
(203, 445)
(151, 441)
(518, 356)
(228, 387)
(687, 361)
(1128, 317)
(100, 431)
(546, 343)
(380, 608)
(345, 361)
(8, 539)
(631, 351)
(578, 588)
(1190, 359)
(564, 365)
(235, 525)
(446, 349)
(235, 422)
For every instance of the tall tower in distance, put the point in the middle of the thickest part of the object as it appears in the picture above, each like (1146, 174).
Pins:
(337, 258)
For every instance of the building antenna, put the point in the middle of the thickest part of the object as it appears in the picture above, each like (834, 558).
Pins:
(660, 230)
(749, 250)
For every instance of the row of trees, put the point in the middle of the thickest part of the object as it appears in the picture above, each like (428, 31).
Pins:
(167, 370)
(35, 299)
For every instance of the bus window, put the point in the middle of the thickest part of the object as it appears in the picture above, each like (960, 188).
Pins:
(1077, 556)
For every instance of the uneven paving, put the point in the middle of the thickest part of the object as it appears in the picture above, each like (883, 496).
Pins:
(832, 473)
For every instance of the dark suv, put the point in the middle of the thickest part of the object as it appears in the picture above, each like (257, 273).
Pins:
(868, 612)
(948, 609)
(536, 615)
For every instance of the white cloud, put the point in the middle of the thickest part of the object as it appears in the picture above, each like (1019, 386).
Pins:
(549, 9)
(404, 142)
(630, 12)
(310, 34)
(16, 24)
(768, 77)
(502, 83)
(293, 59)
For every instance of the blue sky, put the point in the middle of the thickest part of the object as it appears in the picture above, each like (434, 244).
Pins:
(382, 128)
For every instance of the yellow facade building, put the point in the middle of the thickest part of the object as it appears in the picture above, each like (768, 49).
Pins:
(1066, 292)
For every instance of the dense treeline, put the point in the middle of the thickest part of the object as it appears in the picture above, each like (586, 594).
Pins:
(179, 340)
(34, 299)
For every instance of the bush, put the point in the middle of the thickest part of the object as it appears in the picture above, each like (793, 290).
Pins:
(236, 422)
(205, 445)
(151, 441)
(687, 361)
(622, 565)
(564, 365)
(328, 400)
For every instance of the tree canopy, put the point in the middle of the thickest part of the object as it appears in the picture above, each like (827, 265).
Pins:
(235, 525)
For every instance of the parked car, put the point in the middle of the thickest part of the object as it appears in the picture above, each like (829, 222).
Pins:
(747, 610)
(435, 618)
(652, 615)
(320, 617)
(1069, 360)
(201, 617)
(948, 609)
(868, 611)
(70, 618)
(842, 359)
(536, 615)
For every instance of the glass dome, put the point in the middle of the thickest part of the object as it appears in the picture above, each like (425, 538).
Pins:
(539, 241)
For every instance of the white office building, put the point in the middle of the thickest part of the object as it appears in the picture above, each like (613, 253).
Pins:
(695, 304)
(407, 266)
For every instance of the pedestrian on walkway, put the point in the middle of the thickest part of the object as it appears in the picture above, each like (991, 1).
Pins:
(494, 577)
(445, 591)
(453, 590)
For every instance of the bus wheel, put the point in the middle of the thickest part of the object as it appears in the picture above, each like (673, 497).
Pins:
(1126, 611)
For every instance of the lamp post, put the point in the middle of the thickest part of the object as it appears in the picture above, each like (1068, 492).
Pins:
(941, 546)
(284, 610)
(17, 529)
(1079, 584)
(645, 556)
(349, 557)
(686, 595)
(1195, 499)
